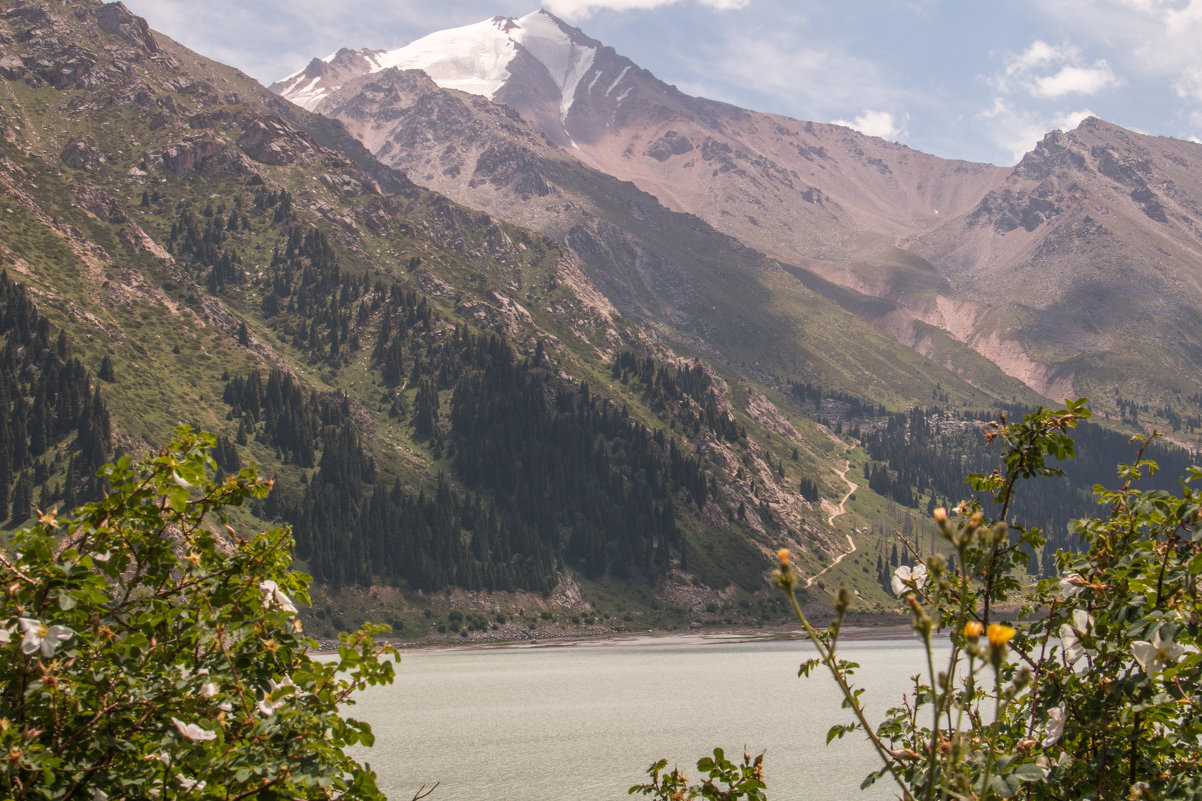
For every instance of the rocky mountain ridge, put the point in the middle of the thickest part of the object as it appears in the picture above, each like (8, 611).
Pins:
(446, 398)
(1047, 270)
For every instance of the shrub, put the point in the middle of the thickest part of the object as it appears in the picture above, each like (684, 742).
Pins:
(1087, 686)
(144, 655)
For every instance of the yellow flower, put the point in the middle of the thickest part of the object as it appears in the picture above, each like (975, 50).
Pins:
(940, 515)
(973, 629)
(999, 634)
(783, 555)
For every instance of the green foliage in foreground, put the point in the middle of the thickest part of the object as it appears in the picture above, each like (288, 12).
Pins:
(141, 655)
(1091, 689)
(724, 780)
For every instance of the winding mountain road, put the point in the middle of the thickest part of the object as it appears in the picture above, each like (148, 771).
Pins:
(830, 521)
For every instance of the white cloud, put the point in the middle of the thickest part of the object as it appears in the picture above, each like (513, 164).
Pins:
(1037, 55)
(1076, 80)
(875, 123)
(580, 9)
(1051, 71)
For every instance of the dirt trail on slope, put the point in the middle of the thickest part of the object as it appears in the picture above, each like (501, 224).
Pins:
(830, 521)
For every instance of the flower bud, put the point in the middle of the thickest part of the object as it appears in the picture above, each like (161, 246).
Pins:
(936, 564)
(784, 577)
(999, 634)
(842, 600)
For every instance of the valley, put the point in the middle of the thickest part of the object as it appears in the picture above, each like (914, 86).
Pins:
(570, 356)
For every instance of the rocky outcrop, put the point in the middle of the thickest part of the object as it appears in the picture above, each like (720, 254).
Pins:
(81, 154)
(116, 19)
(272, 141)
(99, 203)
(202, 153)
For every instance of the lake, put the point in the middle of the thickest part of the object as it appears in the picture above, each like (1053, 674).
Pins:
(583, 721)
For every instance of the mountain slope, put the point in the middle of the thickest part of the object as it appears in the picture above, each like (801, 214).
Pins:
(789, 189)
(1090, 258)
(1074, 272)
(449, 402)
(702, 289)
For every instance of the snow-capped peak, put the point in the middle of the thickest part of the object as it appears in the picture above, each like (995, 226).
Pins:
(474, 59)
(566, 60)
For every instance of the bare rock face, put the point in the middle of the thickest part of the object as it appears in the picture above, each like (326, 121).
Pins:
(68, 67)
(272, 141)
(507, 165)
(12, 68)
(81, 154)
(116, 19)
(99, 203)
(353, 183)
(201, 153)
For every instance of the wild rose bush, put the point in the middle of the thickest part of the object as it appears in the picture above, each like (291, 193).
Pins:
(144, 656)
(1088, 686)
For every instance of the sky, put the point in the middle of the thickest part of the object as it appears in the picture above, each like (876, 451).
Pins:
(968, 79)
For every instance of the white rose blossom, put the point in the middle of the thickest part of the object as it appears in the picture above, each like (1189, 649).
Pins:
(908, 579)
(275, 597)
(1054, 728)
(1153, 656)
(267, 707)
(187, 785)
(1070, 637)
(39, 636)
(193, 732)
(1071, 585)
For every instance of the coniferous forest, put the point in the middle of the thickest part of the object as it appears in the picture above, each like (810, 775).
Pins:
(55, 430)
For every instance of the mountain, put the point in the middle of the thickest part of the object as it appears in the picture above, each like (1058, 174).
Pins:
(668, 269)
(624, 416)
(1089, 256)
(789, 189)
(1074, 272)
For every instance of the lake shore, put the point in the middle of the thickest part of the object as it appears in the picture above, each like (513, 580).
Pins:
(661, 639)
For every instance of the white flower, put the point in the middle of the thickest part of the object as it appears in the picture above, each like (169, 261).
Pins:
(1153, 656)
(102, 558)
(906, 579)
(6, 636)
(275, 598)
(1071, 585)
(1054, 728)
(1070, 636)
(208, 689)
(39, 635)
(193, 732)
(187, 784)
(267, 707)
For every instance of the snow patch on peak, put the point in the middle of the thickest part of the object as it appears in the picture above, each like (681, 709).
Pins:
(566, 60)
(307, 94)
(473, 59)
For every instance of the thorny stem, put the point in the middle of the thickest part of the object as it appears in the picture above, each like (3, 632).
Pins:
(997, 719)
(828, 659)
